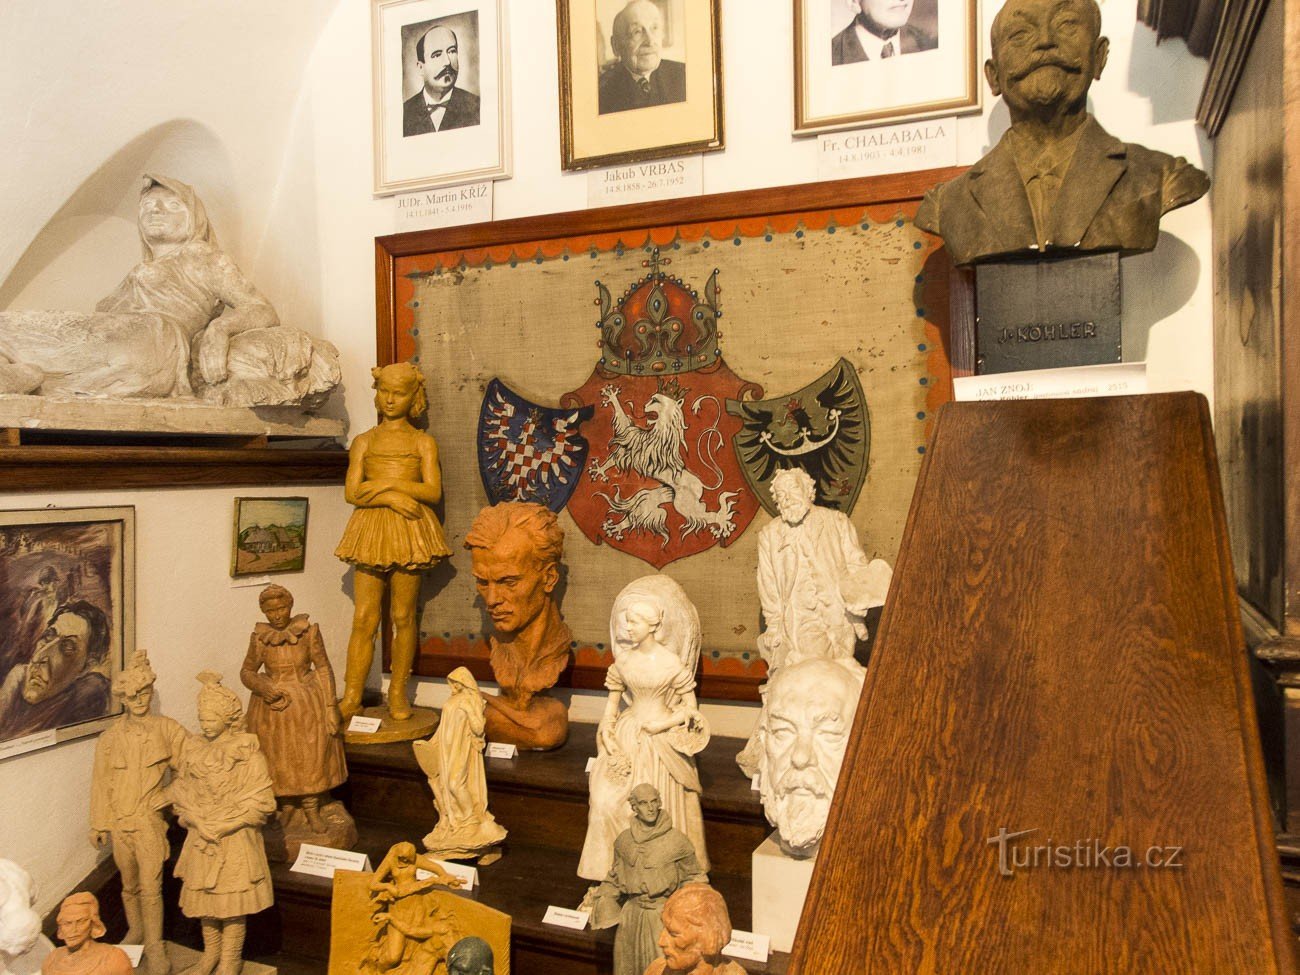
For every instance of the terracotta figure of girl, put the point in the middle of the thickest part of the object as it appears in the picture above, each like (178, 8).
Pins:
(222, 795)
(393, 480)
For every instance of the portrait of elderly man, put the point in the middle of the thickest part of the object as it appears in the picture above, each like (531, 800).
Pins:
(515, 551)
(808, 712)
(640, 77)
(439, 105)
(1056, 180)
(66, 680)
(882, 29)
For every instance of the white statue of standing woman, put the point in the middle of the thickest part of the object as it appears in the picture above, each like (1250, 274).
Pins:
(453, 761)
(184, 322)
(652, 728)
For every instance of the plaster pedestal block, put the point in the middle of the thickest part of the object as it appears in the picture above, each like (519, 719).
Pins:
(780, 886)
(183, 959)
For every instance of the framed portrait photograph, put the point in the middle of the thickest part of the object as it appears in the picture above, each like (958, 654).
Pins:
(270, 535)
(67, 609)
(867, 62)
(441, 87)
(639, 79)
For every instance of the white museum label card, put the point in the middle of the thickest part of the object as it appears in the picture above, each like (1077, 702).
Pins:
(134, 952)
(1074, 382)
(19, 745)
(591, 764)
(642, 182)
(364, 725)
(447, 207)
(747, 945)
(754, 784)
(499, 749)
(467, 874)
(321, 861)
(888, 149)
(565, 918)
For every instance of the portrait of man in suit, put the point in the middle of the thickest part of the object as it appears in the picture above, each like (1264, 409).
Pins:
(882, 29)
(641, 77)
(1056, 180)
(440, 104)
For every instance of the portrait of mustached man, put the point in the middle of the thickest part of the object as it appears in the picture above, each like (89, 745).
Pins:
(439, 105)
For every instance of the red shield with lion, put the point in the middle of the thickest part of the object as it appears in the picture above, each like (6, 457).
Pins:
(662, 479)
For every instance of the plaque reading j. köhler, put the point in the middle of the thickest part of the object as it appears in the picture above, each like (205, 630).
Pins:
(1047, 313)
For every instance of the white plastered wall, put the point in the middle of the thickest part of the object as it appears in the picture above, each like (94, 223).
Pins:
(265, 108)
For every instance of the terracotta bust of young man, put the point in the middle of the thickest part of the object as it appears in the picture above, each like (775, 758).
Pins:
(1056, 181)
(516, 549)
(81, 954)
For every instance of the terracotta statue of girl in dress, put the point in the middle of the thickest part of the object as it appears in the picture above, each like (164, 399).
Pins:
(453, 761)
(184, 322)
(393, 480)
(222, 794)
(655, 635)
(295, 715)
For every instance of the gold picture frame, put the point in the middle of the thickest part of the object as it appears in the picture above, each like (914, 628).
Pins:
(268, 535)
(842, 81)
(675, 108)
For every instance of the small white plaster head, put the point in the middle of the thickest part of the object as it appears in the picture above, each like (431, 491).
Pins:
(807, 716)
(20, 926)
(794, 492)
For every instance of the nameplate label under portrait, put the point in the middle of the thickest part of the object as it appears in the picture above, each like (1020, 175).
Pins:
(1076, 382)
(498, 749)
(747, 945)
(18, 746)
(321, 861)
(468, 875)
(363, 725)
(661, 179)
(565, 918)
(888, 149)
(446, 207)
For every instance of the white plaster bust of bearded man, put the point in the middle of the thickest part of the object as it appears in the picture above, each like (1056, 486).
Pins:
(806, 722)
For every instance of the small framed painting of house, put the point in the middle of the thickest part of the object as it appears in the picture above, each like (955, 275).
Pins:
(270, 535)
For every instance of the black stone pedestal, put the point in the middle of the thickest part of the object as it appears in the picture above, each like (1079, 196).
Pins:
(1047, 313)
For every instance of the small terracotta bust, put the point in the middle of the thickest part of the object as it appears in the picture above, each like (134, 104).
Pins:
(696, 927)
(516, 549)
(81, 954)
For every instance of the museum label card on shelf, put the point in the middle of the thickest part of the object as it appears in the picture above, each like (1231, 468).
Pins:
(446, 207)
(888, 149)
(565, 918)
(591, 763)
(754, 785)
(321, 861)
(363, 725)
(661, 179)
(747, 945)
(1074, 382)
(499, 749)
(465, 872)
(134, 952)
(19, 745)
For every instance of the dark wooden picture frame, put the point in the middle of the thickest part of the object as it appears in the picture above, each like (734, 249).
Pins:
(393, 294)
(669, 145)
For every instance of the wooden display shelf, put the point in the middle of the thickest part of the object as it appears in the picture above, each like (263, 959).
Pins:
(42, 467)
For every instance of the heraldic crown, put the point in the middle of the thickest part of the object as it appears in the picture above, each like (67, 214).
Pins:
(659, 327)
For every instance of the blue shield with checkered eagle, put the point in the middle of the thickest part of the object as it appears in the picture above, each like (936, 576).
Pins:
(528, 452)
